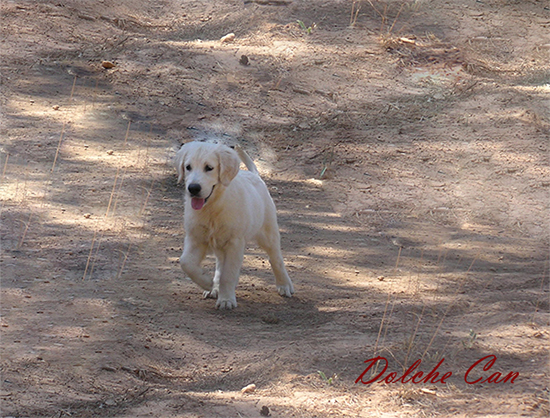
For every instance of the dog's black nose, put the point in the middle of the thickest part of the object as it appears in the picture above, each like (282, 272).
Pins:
(194, 189)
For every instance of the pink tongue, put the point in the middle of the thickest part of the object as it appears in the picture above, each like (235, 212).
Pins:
(197, 203)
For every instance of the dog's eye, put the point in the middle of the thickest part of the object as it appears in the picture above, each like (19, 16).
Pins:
(208, 168)
(188, 167)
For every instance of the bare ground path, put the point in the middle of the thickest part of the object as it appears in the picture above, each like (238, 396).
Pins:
(404, 142)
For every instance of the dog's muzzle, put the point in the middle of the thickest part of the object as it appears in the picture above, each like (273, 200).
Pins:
(198, 202)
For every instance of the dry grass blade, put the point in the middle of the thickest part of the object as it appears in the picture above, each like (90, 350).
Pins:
(113, 191)
(396, 17)
(114, 195)
(27, 225)
(5, 168)
(446, 312)
(73, 88)
(376, 10)
(388, 323)
(58, 147)
(124, 261)
(89, 256)
(119, 191)
(413, 336)
(95, 256)
(384, 320)
(355, 9)
(146, 198)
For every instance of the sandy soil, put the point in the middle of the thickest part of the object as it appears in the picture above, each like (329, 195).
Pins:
(404, 142)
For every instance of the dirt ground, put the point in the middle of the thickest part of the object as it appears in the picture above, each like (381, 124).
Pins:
(405, 144)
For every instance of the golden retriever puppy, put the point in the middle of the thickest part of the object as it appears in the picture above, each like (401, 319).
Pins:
(226, 207)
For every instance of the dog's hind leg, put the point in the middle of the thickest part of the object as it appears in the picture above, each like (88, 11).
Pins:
(271, 245)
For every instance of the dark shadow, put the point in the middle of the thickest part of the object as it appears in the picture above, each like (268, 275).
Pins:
(126, 275)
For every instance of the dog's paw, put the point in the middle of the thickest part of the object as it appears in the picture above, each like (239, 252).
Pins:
(210, 294)
(286, 290)
(223, 304)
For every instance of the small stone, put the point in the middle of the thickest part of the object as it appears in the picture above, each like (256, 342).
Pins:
(230, 37)
(428, 391)
(244, 60)
(264, 412)
(249, 389)
(270, 319)
(107, 65)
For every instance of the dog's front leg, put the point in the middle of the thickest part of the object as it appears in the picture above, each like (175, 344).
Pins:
(213, 294)
(230, 270)
(190, 262)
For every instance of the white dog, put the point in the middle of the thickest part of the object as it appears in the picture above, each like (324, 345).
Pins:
(224, 208)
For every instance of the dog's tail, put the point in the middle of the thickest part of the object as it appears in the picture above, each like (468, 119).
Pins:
(246, 160)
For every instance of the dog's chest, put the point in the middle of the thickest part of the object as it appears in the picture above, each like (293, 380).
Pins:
(214, 234)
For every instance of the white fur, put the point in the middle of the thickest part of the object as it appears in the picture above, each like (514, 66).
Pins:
(238, 209)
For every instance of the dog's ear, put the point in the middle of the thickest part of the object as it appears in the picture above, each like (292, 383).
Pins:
(229, 164)
(179, 161)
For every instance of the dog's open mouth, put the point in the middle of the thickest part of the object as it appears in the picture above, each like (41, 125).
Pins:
(197, 203)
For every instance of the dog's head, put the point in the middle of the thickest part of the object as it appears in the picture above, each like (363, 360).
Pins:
(205, 166)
